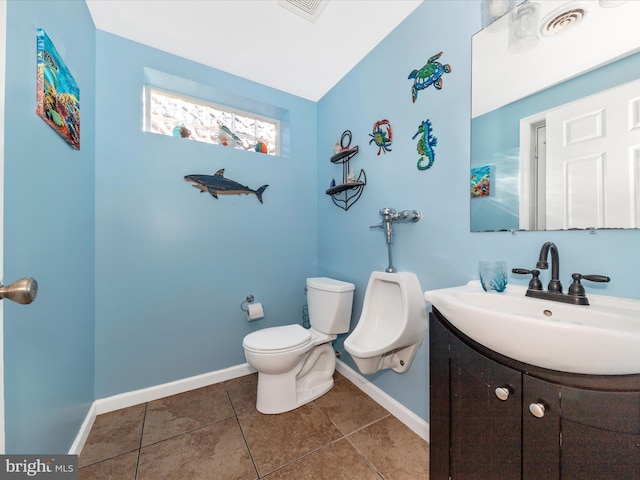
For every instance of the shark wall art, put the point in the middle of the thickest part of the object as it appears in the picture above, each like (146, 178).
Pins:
(219, 185)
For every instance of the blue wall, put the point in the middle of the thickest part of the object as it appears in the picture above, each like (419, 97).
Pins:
(173, 264)
(439, 249)
(49, 234)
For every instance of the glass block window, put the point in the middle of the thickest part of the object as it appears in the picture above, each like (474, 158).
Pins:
(169, 113)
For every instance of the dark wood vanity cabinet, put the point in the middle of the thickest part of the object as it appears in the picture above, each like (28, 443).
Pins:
(492, 417)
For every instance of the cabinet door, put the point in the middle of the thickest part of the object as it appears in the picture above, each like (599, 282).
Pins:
(540, 434)
(485, 431)
(438, 400)
(600, 435)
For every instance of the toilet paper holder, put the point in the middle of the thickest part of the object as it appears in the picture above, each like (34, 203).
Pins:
(247, 300)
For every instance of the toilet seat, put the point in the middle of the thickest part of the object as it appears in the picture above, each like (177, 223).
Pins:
(277, 339)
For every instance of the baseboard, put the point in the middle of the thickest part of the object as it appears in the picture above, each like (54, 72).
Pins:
(128, 399)
(398, 410)
(83, 433)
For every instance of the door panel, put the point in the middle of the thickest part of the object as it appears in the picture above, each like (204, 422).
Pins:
(603, 422)
(592, 161)
(618, 454)
(540, 436)
(485, 431)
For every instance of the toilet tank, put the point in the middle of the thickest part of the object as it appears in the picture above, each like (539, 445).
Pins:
(329, 304)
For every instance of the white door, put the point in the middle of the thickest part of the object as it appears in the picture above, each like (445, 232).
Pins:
(593, 161)
(3, 44)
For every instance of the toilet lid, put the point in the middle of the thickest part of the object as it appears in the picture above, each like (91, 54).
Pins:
(277, 338)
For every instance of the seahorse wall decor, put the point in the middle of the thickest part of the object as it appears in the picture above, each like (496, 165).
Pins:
(426, 144)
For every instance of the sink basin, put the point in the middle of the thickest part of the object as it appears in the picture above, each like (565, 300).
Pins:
(602, 338)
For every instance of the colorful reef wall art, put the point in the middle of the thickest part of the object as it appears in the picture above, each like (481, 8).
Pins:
(481, 181)
(58, 95)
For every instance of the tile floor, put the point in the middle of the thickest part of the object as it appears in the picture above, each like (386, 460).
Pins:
(215, 432)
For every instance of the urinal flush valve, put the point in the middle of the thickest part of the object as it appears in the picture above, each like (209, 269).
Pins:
(389, 215)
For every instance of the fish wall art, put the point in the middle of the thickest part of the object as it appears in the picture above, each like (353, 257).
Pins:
(57, 93)
(217, 184)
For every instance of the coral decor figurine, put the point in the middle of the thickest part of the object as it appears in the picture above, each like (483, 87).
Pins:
(261, 147)
(181, 131)
(227, 137)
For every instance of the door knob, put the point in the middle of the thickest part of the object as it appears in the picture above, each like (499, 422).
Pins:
(22, 291)
(537, 410)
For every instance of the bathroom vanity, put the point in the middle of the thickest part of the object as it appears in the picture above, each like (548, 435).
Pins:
(493, 417)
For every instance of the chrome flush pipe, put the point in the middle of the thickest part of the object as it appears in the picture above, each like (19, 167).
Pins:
(389, 216)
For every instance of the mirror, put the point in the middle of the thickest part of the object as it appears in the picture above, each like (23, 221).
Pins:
(555, 130)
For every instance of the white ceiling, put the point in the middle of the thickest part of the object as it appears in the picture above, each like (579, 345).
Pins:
(258, 39)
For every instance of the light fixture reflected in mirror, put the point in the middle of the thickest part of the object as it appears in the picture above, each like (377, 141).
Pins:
(611, 3)
(494, 14)
(523, 27)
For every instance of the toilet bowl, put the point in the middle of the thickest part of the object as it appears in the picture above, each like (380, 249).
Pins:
(392, 325)
(296, 365)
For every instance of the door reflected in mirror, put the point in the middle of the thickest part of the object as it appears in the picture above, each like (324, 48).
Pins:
(558, 127)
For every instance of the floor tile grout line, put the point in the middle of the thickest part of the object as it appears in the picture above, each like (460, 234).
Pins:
(186, 432)
(108, 458)
(357, 429)
(304, 456)
(246, 443)
(370, 423)
(144, 421)
(253, 462)
(365, 458)
(237, 411)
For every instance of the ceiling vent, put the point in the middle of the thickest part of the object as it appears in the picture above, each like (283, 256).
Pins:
(310, 10)
(561, 20)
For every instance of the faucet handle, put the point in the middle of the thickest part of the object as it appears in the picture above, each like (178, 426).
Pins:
(597, 278)
(534, 283)
(576, 287)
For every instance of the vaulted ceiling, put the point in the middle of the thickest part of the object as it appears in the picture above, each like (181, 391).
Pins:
(259, 39)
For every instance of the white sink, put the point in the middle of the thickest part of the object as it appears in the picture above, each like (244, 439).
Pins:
(602, 338)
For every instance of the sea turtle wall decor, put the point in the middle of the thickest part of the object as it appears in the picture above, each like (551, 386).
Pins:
(430, 74)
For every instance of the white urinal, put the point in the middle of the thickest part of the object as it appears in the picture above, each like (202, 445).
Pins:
(392, 325)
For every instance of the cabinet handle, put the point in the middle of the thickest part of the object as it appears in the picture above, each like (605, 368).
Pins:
(537, 410)
(502, 393)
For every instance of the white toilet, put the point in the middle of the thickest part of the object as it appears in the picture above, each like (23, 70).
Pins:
(296, 365)
(392, 325)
